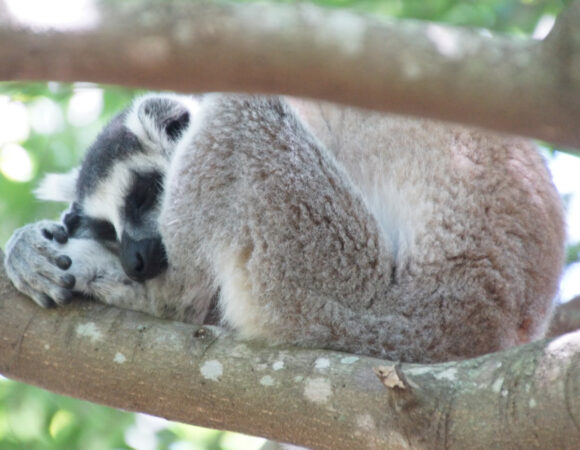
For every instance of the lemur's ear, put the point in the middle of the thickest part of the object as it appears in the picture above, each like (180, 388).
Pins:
(58, 187)
(175, 125)
(160, 116)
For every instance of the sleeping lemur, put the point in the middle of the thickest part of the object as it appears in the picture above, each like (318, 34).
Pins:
(309, 224)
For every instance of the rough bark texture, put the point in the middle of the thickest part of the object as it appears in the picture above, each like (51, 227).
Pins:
(521, 86)
(526, 398)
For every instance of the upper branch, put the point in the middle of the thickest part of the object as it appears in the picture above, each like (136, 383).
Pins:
(456, 74)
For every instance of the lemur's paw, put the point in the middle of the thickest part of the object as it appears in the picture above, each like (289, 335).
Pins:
(37, 264)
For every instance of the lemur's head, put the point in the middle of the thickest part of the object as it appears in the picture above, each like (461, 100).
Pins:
(116, 193)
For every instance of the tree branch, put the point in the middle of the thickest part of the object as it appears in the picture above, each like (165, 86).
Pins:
(322, 399)
(515, 85)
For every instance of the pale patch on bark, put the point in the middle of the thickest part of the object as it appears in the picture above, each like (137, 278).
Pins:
(167, 339)
(278, 365)
(397, 440)
(445, 40)
(449, 374)
(418, 371)
(267, 380)
(317, 390)
(120, 358)
(240, 351)
(496, 386)
(212, 370)
(89, 330)
(349, 360)
(322, 363)
(366, 423)
(350, 28)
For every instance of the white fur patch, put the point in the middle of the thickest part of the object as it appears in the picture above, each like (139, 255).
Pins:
(58, 187)
(240, 308)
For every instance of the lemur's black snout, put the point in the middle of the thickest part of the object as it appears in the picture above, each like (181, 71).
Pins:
(143, 259)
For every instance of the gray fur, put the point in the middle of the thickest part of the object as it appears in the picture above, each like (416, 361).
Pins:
(331, 227)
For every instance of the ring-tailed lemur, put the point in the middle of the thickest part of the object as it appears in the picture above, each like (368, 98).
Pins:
(313, 224)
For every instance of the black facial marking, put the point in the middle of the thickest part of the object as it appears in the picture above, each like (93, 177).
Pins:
(175, 126)
(103, 230)
(80, 225)
(143, 195)
(72, 219)
(115, 143)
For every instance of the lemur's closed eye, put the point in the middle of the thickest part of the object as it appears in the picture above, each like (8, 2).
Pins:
(144, 193)
(80, 225)
(103, 230)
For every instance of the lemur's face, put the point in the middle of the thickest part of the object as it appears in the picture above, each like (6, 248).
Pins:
(122, 213)
(119, 187)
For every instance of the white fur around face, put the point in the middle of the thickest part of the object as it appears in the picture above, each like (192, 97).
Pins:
(58, 187)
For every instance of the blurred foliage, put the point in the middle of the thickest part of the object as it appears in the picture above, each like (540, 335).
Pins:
(54, 151)
(33, 418)
(36, 419)
(510, 16)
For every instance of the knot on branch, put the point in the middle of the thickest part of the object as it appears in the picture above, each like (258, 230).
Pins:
(392, 377)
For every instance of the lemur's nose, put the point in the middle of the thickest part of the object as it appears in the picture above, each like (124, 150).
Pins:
(143, 259)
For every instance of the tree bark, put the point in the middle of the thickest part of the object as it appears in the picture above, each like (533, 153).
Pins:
(507, 84)
(528, 397)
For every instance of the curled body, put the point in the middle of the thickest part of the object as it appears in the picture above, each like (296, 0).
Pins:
(311, 224)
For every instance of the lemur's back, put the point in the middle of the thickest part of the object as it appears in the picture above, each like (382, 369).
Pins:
(473, 219)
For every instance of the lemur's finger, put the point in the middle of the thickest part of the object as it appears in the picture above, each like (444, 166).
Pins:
(61, 296)
(60, 235)
(55, 277)
(40, 298)
(57, 288)
(54, 231)
(67, 281)
(63, 262)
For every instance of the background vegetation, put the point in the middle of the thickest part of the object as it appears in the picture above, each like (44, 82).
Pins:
(46, 127)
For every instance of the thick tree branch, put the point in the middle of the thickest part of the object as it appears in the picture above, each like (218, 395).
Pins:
(515, 85)
(527, 397)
